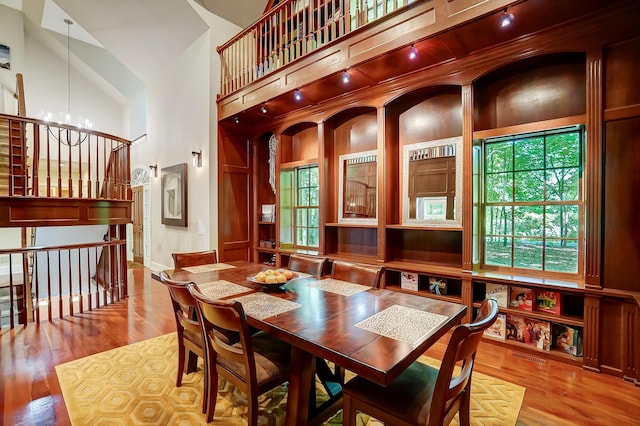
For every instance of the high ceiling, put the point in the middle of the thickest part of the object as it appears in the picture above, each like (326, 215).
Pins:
(240, 12)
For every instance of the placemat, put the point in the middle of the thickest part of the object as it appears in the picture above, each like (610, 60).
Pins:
(342, 288)
(402, 323)
(262, 305)
(208, 268)
(221, 288)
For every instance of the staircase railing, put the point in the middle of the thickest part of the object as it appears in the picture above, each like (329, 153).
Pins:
(67, 161)
(291, 30)
(65, 280)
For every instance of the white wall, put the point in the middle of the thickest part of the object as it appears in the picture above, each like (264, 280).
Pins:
(12, 35)
(182, 116)
(46, 92)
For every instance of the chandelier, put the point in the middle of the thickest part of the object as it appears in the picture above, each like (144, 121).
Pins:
(67, 135)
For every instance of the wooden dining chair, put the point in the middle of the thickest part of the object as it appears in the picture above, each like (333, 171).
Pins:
(424, 395)
(196, 258)
(255, 364)
(189, 332)
(313, 265)
(358, 273)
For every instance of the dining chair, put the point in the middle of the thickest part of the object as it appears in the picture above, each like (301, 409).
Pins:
(196, 258)
(313, 265)
(358, 273)
(424, 395)
(255, 364)
(189, 332)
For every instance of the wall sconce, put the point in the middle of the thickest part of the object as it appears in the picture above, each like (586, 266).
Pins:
(196, 158)
(154, 170)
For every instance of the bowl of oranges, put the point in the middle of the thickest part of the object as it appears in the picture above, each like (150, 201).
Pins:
(272, 277)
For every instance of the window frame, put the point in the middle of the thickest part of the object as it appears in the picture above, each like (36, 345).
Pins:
(514, 135)
(295, 207)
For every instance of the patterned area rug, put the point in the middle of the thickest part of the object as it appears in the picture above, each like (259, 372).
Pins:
(135, 385)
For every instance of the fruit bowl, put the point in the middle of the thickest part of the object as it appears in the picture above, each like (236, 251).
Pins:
(272, 277)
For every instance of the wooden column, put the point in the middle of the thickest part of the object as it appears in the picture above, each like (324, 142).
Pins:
(591, 337)
(467, 177)
(382, 190)
(594, 165)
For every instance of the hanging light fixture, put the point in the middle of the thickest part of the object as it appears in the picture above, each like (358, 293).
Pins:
(413, 52)
(65, 135)
(345, 77)
(506, 19)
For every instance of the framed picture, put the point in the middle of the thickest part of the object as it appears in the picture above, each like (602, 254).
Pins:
(174, 195)
(5, 57)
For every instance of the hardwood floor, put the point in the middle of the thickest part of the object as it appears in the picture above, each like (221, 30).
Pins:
(557, 394)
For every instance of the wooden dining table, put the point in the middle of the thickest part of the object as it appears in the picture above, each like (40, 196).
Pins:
(375, 333)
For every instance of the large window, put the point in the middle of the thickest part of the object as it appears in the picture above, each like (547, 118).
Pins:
(299, 212)
(532, 201)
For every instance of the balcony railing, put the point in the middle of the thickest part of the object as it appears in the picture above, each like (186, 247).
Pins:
(58, 160)
(61, 280)
(291, 30)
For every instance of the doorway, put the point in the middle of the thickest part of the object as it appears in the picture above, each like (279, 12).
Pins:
(138, 224)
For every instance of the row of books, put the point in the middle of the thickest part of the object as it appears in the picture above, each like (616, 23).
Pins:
(543, 335)
(525, 299)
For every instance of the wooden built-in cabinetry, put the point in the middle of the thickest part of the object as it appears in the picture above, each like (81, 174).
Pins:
(581, 73)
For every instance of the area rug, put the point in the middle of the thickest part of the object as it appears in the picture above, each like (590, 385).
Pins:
(135, 385)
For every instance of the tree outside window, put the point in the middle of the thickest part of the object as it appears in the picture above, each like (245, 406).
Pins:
(532, 202)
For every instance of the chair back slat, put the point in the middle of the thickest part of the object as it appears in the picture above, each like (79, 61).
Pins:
(461, 351)
(307, 264)
(226, 317)
(184, 305)
(357, 273)
(180, 260)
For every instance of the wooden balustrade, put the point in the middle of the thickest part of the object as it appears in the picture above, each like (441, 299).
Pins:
(291, 30)
(43, 283)
(66, 161)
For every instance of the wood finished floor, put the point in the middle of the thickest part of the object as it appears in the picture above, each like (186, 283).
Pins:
(557, 394)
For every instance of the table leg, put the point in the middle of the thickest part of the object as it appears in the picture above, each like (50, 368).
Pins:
(299, 385)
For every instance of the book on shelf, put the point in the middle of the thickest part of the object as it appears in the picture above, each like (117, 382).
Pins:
(500, 292)
(567, 339)
(409, 281)
(499, 328)
(548, 301)
(529, 331)
(522, 298)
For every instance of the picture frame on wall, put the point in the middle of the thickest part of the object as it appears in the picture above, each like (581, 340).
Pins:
(5, 57)
(174, 195)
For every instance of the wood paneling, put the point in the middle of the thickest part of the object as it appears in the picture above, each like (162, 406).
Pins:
(28, 211)
(436, 117)
(536, 89)
(622, 62)
(613, 338)
(621, 251)
(304, 144)
(412, 245)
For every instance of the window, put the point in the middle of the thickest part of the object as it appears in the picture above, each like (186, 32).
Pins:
(299, 211)
(532, 201)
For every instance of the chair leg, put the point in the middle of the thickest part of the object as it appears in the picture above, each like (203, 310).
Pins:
(348, 411)
(192, 362)
(212, 393)
(181, 351)
(252, 410)
(465, 406)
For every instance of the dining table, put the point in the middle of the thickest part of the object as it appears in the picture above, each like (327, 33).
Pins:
(374, 333)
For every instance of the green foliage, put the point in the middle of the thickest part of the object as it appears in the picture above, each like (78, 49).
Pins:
(527, 183)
